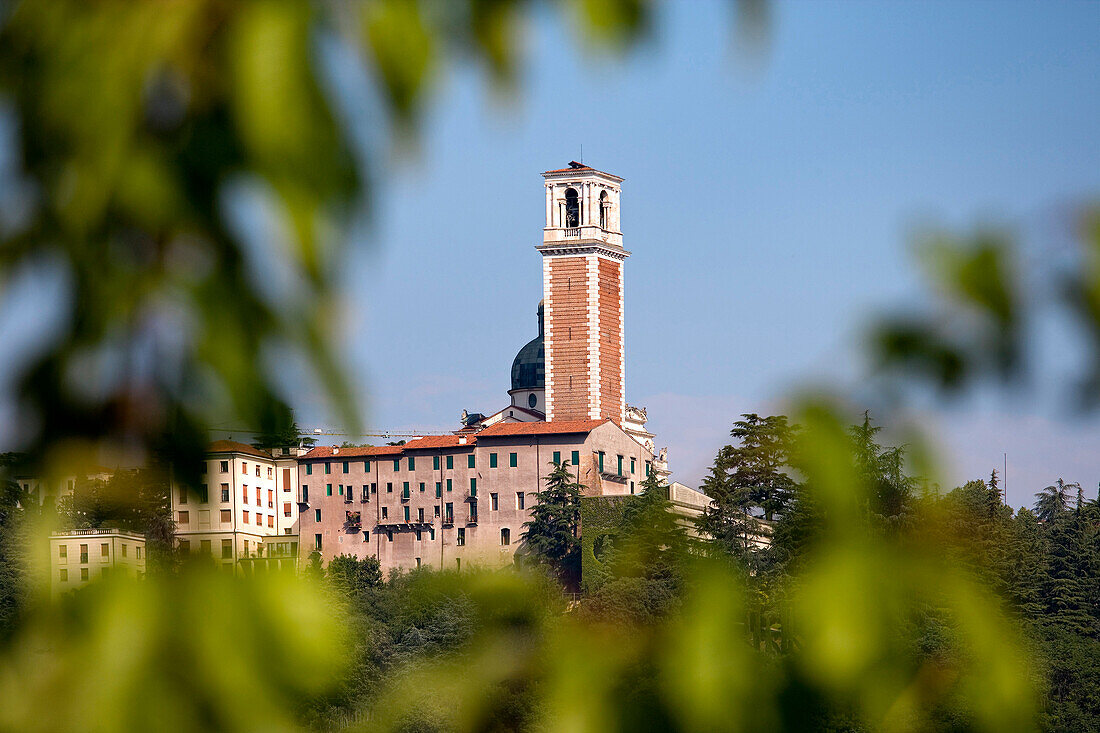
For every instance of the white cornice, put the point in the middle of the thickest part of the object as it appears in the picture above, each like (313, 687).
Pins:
(562, 249)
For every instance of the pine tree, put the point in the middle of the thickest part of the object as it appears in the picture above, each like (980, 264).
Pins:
(1066, 589)
(1053, 501)
(552, 534)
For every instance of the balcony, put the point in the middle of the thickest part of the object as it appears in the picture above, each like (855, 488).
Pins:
(448, 520)
(572, 233)
(470, 496)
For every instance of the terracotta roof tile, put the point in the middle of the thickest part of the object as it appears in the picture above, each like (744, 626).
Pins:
(331, 451)
(558, 427)
(232, 446)
(441, 441)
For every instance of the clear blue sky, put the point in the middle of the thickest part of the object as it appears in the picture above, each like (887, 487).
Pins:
(767, 205)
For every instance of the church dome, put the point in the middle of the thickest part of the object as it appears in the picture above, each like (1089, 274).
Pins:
(529, 366)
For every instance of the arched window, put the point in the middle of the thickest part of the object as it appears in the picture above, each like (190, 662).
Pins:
(605, 204)
(572, 208)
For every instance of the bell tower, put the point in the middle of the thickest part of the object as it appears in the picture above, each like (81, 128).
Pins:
(582, 282)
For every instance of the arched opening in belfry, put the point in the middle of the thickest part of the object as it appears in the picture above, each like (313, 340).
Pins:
(605, 204)
(572, 208)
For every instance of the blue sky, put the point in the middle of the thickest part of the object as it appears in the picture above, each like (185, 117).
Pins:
(768, 203)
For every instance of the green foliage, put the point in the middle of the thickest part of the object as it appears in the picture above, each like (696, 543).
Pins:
(287, 435)
(552, 535)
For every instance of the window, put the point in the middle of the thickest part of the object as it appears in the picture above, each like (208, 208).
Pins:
(557, 457)
(183, 495)
(505, 536)
(420, 515)
(520, 500)
(227, 549)
(396, 464)
(620, 466)
(632, 464)
(600, 457)
(269, 471)
(418, 559)
(328, 489)
(124, 549)
(270, 499)
(138, 552)
(185, 546)
(227, 516)
(204, 545)
(247, 515)
(461, 541)
(340, 489)
(204, 495)
(366, 492)
(473, 487)
(385, 513)
(259, 496)
(436, 508)
(449, 514)
(305, 494)
(225, 493)
(431, 531)
(257, 470)
(223, 466)
(418, 536)
(346, 467)
(389, 487)
(492, 460)
(63, 575)
(576, 458)
(647, 469)
(405, 490)
(470, 461)
(513, 460)
(316, 515)
(366, 466)
(604, 206)
(412, 463)
(63, 553)
(435, 463)
(244, 467)
(366, 536)
(473, 513)
(406, 508)
(389, 535)
(184, 518)
(309, 469)
(450, 461)
(270, 521)
(448, 484)
(328, 467)
(493, 502)
(83, 574)
(373, 488)
(317, 542)
(438, 489)
(631, 487)
(572, 208)
(421, 487)
(105, 550)
(244, 493)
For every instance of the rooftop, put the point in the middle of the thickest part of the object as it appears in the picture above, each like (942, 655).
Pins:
(558, 427)
(232, 446)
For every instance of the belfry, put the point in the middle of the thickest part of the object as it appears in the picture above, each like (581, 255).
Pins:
(582, 265)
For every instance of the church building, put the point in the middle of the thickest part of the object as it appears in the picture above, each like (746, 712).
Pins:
(459, 500)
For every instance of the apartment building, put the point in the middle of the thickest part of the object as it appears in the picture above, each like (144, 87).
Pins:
(245, 512)
(79, 556)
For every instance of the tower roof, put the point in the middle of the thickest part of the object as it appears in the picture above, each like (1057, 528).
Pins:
(576, 168)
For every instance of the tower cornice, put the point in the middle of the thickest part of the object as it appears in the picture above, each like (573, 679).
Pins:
(574, 249)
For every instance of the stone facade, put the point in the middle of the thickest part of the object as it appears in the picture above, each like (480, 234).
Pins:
(454, 501)
(80, 556)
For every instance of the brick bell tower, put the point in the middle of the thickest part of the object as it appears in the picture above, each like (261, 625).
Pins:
(582, 282)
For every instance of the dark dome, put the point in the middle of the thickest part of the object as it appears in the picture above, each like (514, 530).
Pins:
(529, 367)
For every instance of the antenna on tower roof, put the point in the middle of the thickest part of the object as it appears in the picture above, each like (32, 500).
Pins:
(581, 159)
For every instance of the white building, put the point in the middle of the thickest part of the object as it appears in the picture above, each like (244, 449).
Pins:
(245, 513)
(79, 556)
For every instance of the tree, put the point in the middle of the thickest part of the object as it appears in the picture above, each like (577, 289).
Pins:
(353, 576)
(747, 477)
(1053, 500)
(283, 436)
(552, 535)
